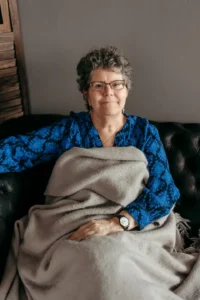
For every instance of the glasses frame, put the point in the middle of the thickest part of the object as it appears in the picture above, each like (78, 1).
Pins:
(107, 83)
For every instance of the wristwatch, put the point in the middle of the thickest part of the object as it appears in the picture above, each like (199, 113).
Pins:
(123, 221)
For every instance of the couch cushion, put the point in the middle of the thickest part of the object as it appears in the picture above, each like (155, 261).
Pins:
(182, 145)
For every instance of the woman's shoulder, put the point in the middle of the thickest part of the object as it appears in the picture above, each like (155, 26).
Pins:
(143, 123)
(82, 115)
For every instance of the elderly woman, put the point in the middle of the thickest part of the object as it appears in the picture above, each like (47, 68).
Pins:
(104, 79)
(107, 230)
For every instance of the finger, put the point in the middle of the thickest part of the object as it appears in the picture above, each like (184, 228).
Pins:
(84, 236)
(100, 230)
(80, 230)
(87, 226)
(95, 225)
(81, 236)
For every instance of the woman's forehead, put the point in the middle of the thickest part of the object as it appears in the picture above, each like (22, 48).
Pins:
(101, 74)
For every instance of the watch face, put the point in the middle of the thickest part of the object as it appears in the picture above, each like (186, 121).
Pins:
(124, 222)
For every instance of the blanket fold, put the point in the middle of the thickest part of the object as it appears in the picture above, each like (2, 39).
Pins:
(88, 184)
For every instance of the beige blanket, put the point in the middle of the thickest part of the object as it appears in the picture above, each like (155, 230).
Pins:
(85, 185)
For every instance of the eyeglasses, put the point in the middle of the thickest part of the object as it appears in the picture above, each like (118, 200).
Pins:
(100, 85)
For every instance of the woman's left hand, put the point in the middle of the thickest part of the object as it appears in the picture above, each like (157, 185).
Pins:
(96, 227)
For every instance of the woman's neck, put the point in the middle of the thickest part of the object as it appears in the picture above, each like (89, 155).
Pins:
(108, 123)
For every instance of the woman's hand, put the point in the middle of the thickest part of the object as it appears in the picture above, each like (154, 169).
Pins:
(96, 227)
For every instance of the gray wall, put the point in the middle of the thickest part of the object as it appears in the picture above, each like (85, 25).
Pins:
(161, 38)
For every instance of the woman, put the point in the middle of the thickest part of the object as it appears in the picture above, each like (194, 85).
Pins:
(104, 79)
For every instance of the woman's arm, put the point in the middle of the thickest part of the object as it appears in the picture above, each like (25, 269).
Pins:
(160, 194)
(21, 152)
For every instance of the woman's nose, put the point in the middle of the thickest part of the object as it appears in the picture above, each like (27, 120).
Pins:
(108, 90)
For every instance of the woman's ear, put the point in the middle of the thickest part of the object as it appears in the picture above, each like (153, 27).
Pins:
(85, 95)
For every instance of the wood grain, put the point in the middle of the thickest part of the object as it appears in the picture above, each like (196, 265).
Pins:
(11, 103)
(8, 63)
(7, 54)
(9, 96)
(6, 37)
(12, 116)
(8, 72)
(5, 27)
(10, 111)
(8, 80)
(6, 46)
(13, 7)
(9, 88)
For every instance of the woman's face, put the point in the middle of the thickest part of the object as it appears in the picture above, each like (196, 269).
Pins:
(106, 101)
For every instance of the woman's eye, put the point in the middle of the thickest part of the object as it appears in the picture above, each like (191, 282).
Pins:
(98, 85)
(117, 85)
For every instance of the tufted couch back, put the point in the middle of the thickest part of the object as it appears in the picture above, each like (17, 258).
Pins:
(19, 191)
(182, 145)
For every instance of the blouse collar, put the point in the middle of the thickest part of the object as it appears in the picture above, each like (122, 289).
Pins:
(121, 139)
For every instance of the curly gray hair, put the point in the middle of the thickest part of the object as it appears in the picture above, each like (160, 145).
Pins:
(107, 58)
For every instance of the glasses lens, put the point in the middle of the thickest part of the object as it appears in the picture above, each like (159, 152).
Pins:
(100, 86)
(97, 85)
(117, 85)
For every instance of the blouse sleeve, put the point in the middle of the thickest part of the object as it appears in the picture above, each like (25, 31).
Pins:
(160, 194)
(21, 152)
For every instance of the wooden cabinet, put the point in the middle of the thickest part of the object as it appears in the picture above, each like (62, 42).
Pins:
(13, 81)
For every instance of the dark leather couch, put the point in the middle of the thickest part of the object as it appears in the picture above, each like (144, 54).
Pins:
(19, 191)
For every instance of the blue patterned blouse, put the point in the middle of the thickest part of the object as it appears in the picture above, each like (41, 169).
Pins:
(20, 152)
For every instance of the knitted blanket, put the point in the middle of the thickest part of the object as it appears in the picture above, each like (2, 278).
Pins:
(91, 184)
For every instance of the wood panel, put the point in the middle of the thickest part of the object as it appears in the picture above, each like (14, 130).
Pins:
(12, 116)
(8, 80)
(7, 55)
(6, 37)
(9, 96)
(9, 88)
(5, 27)
(13, 80)
(8, 63)
(14, 13)
(10, 111)
(11, 103)
(8, 72)
(6, 46)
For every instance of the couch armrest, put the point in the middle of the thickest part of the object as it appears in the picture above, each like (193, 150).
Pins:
(10, 207)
